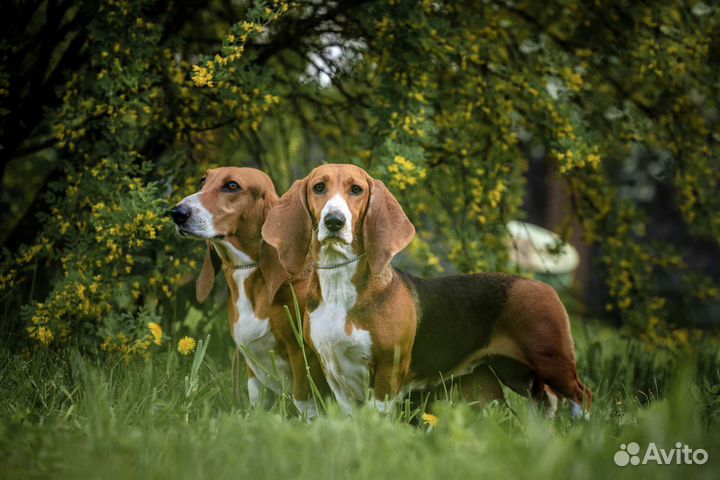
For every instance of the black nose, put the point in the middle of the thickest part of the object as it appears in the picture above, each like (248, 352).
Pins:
(334, 221)
(180, 214)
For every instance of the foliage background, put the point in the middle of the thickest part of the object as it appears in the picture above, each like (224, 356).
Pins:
(112, 110)
(597, 119)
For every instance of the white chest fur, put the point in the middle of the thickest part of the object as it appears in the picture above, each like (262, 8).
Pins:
(256, 342)
(253, 336)
(345, 357)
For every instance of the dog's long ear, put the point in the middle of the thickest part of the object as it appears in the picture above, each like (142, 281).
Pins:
(288, 228)
(206, 279)
(386, 228)
(272, 270)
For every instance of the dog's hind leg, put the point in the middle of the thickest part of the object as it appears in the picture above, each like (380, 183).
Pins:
(561, 377)
(540, 324)
(544, 396)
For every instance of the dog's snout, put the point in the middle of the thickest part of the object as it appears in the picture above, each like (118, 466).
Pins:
(334, 221)
(180, 214)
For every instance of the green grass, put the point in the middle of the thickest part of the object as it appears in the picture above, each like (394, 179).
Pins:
(70, 416)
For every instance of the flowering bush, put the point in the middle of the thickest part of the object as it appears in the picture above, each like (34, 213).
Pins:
(445, 101)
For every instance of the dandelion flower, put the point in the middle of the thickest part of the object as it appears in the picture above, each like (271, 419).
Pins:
(186, 345)
(430, 419)
(156, 331)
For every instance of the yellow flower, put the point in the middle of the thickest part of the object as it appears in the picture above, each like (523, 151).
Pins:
(156, 331)
(594, 160)
(45, 335)
(430, 419)
(186, 345)
(202, 76)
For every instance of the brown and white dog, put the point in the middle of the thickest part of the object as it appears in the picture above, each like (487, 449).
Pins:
(375, 326)
(228, 213)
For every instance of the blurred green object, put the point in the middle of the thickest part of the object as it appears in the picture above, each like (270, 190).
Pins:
(113, 111)
(72, 416)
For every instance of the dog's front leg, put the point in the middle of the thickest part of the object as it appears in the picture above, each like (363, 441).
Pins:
(302, 393)
(387, 385)
(258, 394)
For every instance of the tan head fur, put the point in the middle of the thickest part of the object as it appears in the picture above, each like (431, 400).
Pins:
(338, 206)
(228, 212)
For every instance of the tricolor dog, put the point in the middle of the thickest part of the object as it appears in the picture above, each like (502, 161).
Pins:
(375, 326)
(228, 213)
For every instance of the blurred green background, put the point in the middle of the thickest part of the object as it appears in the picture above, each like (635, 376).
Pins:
(597, 120)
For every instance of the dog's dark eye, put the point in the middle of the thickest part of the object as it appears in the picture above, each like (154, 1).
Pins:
(356, 190)
(319, 188)
(231, 187)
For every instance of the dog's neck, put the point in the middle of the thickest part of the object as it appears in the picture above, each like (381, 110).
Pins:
(232, 258)
(240, 264)
(342, 283)
(338, 285)
(234, 252)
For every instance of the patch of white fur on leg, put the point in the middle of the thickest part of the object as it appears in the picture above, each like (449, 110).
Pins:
(384, 406)
(578, 411)
(307, 408)
(552, 404)
(260, 395)
(255, 388)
